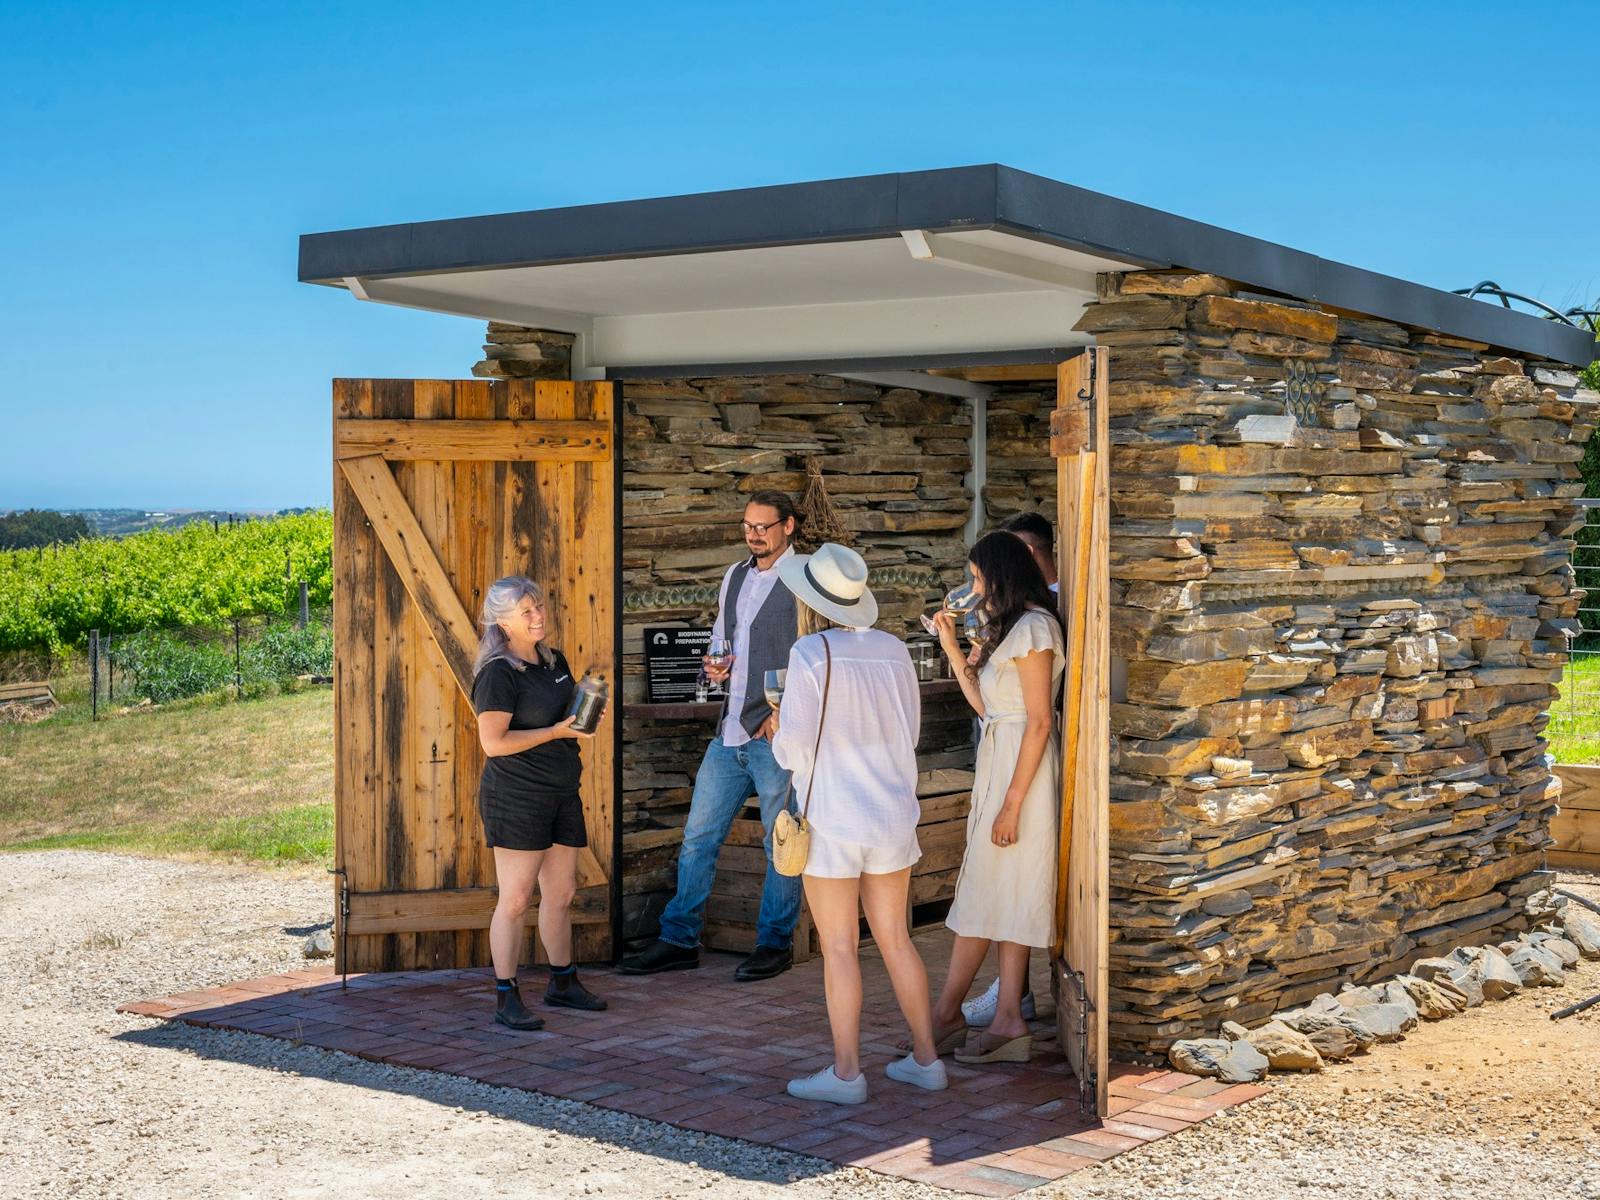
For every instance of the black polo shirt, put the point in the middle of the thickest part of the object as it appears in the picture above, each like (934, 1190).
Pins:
(537, 698)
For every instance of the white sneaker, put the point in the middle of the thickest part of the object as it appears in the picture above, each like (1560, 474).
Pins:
(930, 1078)
(825, 1085)
(979, 1011)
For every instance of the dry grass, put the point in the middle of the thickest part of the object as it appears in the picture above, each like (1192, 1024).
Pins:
(233, 781)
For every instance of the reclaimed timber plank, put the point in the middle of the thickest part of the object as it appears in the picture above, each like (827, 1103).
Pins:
(25, 692)
(355, 558)
(472, 553)
(444, 910)
(432, 688)
(474, 440)
(392, 398)
(1083, 866)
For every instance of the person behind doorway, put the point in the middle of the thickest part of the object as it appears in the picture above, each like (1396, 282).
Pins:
(758, 617)
(1039, 537)
(847, 728)
(1005, 893)
(528, 796)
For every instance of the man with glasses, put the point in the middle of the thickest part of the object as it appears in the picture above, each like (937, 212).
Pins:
(757, 616)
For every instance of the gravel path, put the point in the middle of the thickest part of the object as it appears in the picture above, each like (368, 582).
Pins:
(101, 1105)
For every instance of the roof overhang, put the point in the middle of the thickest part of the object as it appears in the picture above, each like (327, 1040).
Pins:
(934, 266)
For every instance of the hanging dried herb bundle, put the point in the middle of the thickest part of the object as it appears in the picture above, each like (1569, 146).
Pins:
(819, 521)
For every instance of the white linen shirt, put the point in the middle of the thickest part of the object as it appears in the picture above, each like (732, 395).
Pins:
(866, 769)
(758, 585)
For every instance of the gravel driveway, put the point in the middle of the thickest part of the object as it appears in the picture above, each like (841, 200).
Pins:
(1497, 1102)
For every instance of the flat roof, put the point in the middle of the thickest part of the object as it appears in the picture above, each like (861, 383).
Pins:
(959, 261)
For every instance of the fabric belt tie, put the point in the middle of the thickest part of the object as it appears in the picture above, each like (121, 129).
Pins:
(991, 720)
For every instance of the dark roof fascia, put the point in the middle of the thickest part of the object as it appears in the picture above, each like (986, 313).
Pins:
(880, 206)
(833, 210)
(1039, 207)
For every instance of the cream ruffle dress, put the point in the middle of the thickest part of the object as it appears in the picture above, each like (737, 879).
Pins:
(1008, 893)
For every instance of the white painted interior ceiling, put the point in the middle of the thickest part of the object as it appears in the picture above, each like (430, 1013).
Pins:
(920, 294)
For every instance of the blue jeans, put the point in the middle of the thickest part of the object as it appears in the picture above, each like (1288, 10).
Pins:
(727, 776)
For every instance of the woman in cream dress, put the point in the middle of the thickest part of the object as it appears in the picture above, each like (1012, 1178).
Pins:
(1007, 886)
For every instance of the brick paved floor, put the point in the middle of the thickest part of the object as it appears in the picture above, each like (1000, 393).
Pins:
(695, 1049)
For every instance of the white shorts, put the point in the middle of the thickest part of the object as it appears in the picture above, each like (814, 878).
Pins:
(832, 858)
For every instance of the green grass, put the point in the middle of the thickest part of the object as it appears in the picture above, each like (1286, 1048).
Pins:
(301, 835)
(248, 781)
(1574, 729)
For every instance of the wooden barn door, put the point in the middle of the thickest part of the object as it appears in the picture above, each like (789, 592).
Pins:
(441, 487)
(1079, 439)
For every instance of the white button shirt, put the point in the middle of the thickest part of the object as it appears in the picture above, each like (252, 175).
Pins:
(757, 587)
(866, 768)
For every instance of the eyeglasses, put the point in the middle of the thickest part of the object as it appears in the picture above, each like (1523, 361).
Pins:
(759, 530)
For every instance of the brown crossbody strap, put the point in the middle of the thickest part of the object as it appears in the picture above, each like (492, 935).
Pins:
(827, 679)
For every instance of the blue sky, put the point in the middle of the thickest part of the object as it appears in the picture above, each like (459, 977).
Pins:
(158, 162)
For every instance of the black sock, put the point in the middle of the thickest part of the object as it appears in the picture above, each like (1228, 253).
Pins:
(563, 972)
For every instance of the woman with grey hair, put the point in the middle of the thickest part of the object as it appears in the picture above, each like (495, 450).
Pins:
(528, 796)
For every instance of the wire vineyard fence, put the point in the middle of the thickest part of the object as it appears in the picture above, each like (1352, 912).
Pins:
(247, 657)
(1574, 727)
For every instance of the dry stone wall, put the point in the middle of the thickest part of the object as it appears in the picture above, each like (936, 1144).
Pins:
(1340, 588)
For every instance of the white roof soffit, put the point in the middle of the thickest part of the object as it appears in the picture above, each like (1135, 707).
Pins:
(919, 295)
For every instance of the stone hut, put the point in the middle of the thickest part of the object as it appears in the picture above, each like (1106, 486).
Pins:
(1333, 538)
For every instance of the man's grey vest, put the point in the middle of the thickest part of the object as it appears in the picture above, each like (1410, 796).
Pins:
(772, 634)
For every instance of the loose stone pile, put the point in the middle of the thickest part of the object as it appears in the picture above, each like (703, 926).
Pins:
(1340, 595)
(1333, 1027)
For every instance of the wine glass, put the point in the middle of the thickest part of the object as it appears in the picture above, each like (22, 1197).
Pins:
(772, 684)
(719, 654)
(976, 626)
(961, 600)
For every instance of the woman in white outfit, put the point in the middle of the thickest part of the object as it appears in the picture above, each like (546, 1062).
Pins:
(857, 686)
(1006, 891)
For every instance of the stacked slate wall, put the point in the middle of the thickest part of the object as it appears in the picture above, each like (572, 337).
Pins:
(1340, 589)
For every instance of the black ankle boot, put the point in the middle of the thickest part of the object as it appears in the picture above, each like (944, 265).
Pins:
(566, 992)
(510, 1011)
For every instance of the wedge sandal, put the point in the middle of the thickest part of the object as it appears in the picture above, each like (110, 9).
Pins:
(998, 1050)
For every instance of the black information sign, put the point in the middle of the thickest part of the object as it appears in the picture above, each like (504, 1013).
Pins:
(672, 662)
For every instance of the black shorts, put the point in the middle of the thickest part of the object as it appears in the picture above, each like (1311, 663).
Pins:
(533, 821)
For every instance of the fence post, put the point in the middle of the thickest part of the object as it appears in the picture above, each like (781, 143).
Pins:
(238, 677)
(305, 605)
(94, 674)
(111, 672)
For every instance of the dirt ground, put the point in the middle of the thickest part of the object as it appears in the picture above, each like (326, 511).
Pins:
(1499, 1101)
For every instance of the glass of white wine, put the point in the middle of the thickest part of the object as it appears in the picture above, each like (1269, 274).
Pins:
(961, 600)
(719, 654)
(772, 684)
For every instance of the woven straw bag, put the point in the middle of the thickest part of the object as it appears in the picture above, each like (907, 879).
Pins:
(791, 834)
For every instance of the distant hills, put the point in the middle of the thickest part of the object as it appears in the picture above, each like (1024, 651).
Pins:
(119, 522)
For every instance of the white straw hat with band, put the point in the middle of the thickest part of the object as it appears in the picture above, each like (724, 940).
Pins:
(832, 582)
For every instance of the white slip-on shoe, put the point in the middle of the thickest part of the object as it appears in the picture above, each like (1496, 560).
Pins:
(825, 1085)
(930, 1078)
(979, 1011)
